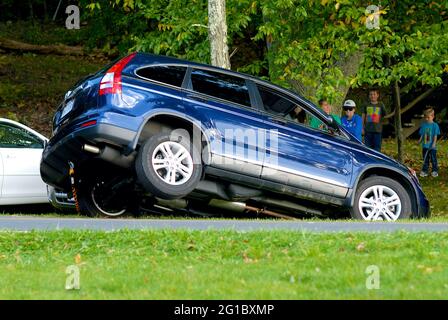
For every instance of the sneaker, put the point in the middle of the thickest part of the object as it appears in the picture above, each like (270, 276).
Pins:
(434, 174)
(423, 174)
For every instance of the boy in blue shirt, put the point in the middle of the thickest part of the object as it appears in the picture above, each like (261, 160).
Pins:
(351, 121)
(429, 131)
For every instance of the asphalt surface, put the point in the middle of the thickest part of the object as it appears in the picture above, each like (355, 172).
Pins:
(19, 223)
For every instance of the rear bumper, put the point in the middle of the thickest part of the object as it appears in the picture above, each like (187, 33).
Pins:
(57, 154)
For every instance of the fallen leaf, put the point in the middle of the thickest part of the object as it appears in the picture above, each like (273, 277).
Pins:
(78, 259)
(361, 246)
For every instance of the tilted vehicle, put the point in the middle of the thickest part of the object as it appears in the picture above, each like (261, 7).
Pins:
(186, 135)
(20, 154)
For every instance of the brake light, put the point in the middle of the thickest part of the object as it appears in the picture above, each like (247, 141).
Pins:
(88, 124)
(111, 82)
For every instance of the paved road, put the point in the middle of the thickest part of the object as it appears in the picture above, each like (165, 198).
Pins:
(38, 223)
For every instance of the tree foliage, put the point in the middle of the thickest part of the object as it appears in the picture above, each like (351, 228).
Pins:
(322, 48)
(317, 47)
(313, 44)
(176, 28)
(413, 36)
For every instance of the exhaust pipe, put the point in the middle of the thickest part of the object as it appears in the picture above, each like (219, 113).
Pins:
(238, 207)
(91, 149)
(241, 207)
(270, 213)
(110, 154)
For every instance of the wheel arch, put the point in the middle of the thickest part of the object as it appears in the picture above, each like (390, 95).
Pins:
(389, 172)
(167, 119)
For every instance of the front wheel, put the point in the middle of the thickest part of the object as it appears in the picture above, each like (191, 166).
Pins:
(381, 198)
(169, 165)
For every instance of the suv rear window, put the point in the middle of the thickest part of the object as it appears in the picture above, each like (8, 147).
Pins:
(221, 86)
(172, 75)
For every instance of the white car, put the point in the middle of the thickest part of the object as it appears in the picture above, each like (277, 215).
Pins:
(20, 154)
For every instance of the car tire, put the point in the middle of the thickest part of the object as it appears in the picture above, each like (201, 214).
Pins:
(168, 165)
(381, 198)
(97, 199)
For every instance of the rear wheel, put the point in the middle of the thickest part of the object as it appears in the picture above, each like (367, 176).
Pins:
(105, 197)
(381, 198)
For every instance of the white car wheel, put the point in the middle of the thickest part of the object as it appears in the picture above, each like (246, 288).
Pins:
(381, 198)
(172, 162)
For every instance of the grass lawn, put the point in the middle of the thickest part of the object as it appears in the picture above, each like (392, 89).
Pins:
(223, 265)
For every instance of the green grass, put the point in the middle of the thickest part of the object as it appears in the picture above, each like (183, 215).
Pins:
(222, 265)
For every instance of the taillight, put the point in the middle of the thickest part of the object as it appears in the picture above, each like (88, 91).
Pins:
(111, 82)
(88, 124)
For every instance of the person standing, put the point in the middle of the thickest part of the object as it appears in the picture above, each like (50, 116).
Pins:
(350, 120)
(372, 115)
(429, 130)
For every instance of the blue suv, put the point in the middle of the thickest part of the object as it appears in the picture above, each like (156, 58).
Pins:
(150, 130)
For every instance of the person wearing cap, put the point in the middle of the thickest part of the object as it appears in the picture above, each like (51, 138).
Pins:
(350, 120)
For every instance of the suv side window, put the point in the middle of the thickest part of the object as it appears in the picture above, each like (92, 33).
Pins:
(13, 137)
(172, 75)
(273, 102)
(278, 105)
(222, 86)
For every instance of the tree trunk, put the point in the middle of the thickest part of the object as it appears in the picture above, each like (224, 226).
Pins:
(217, 33)
(398, 128)
(349, 67)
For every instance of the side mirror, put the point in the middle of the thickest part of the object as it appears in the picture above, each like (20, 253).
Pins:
(332, 123)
